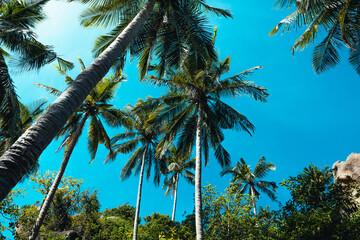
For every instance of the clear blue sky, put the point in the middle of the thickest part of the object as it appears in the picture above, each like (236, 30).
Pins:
(308, 118)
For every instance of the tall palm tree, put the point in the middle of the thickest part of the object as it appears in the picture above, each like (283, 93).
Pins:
(95, 107)
(141, 139)
(195, 106)
(339, 20)
(178, 164)
(244, 180)
(25, 151)
(17, 37)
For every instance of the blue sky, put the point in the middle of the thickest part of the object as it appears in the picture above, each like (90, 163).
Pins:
(308, 118)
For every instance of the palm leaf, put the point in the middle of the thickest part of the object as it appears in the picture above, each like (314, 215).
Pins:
(325, 55)
(51, 90)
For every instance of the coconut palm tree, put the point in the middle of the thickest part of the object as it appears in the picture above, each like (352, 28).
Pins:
(195, 106)
(178, 164)
(17, 37)
(339, 20)
(95, 107)
(141, 139)
(25, 151)
(244, 180)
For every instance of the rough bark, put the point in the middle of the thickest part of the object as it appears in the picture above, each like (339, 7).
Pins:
(137, 211)
(50, 196)
(253, 199)
(198, 203)
(175, 196)
(23, 154)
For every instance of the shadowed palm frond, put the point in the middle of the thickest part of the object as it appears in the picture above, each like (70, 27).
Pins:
(339, 20)
(325, 54)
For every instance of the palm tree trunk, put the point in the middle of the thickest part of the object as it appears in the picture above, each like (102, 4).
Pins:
(26, 150)
(253, 199)
(198, 203)
(137, 211)
(175, 197)
(45, 206)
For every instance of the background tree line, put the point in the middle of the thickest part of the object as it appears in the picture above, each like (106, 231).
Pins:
(317, 209)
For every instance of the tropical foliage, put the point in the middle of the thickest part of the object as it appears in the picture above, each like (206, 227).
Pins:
(27, 115)
(95, 106)
(143, 131)
(19, 44)
(226, 214)
(178, 165)
(172, 40)
(197, 114)
(243, 180)
(318, 208)
(165, 37)
(339, 20)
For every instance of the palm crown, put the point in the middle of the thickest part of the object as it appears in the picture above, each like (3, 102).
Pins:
(17, 23)
(178, 165)
(195, 114)
(143, 131)
(244, 180)
(141, 138)
(171, 30)
(339, 19)
(95, 107)
(191, 87)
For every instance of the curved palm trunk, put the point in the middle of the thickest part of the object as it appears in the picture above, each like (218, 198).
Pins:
(137, 212)
(253, 199)
(50, 196)
(17, 161)
(175, 197)
(198, 203)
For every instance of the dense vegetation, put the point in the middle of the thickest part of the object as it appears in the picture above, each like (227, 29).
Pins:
(318, 209)
(175, 49)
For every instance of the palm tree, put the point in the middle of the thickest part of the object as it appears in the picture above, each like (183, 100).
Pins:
(95, 106)
(244, 180)
(195, 107)
(178, 164)
(25, 151)
(142, 132)
(18, 20)
(339, 19)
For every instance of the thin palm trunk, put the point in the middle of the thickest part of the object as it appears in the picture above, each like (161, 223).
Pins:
(198, 204)
(253, 199)
(23, 154)
(175, 196)
(137, 211)
(50, 196)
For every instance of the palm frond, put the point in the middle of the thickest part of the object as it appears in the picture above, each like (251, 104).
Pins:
(132, 162)
(218, 11)
(294, 20)
(263, 168)
(325, 55)
(51, 90)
